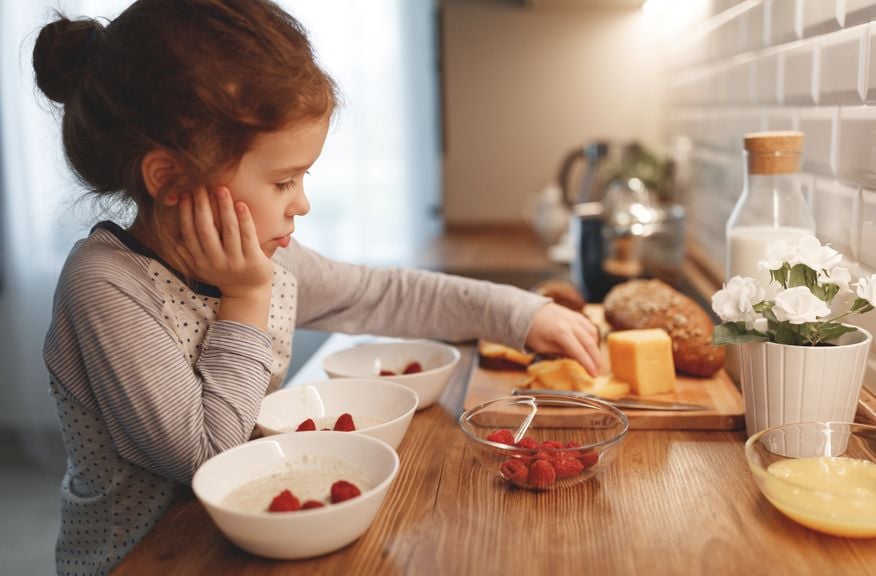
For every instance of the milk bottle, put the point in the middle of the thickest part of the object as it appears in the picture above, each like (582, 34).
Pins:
(770, 208)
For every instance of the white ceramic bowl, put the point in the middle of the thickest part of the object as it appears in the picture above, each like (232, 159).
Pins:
(367, 400)
(304, 533)
(367, 360)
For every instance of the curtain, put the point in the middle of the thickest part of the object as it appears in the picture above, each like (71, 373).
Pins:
(373, 192)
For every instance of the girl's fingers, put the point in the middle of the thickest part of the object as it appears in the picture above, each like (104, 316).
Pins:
(249, 239)
(591, 347)
(229, 226)
(205, 226)
(187, 226)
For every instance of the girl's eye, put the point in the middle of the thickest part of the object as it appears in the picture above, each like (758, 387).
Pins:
(288, 184)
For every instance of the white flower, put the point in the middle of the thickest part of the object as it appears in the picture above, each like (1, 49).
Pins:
(777, 253)
(811, 253)
(839, 276)
(759, 325)
(798, 306)
(734, 302)
(865, 288)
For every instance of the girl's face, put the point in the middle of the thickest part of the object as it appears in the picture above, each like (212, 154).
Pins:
(270, 180)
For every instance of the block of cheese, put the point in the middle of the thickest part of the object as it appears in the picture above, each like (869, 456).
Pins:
(568, 374)
(562, 374)
(643, 359)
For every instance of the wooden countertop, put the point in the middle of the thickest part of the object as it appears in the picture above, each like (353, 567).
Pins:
(673, 502)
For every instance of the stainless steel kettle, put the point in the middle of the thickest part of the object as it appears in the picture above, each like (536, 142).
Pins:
(626, 235)
(588, 164)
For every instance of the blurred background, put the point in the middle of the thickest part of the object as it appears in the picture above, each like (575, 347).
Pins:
(470, 129)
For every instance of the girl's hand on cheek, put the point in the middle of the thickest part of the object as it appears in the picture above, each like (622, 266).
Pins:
(225, 253)
(558, 330)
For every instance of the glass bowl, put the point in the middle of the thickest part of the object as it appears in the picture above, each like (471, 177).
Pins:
(566, 441)
(820, 474)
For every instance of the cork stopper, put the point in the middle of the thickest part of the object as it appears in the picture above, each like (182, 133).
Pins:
(773, 152)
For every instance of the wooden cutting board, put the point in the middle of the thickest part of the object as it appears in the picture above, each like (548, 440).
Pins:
(719, 394)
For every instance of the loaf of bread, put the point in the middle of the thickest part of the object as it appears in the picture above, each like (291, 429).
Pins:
(561, 292)
(655, 304)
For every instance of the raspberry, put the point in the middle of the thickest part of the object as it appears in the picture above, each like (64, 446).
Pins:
(567, 467)
(412, 368)
(502, 436)
(528, 443)
(344, 423)
(514, 471)
(312, 504)
(542, 474)
(551, 445)
(387, 373)
(285, 501)
(589, 458)
(306, 426)
(343, 490)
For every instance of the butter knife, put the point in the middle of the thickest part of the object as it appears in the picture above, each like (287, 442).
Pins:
(631, 403)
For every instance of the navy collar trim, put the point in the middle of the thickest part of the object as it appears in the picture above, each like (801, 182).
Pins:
(135, 245)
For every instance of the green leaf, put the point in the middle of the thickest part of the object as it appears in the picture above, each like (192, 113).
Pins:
(781, 275)
(830, 291)
(735, 333)
(802, 275)
(770, 315)
(831, 331)
(861, 305)
(787, 334)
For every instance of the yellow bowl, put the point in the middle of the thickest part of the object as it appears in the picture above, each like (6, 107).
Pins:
(820, 474)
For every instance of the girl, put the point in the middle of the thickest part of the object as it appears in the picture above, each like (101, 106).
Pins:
(206, 115)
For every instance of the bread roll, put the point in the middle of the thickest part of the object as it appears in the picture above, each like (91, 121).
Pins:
(655, 304)
(561, 292)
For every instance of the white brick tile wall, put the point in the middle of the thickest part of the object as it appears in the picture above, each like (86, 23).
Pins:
(799, 84)
(819, 125)
(856, 152)
(835, 207)
(752, 23)
(782, 65)
(842, 76)
(767, 78)
(785, 21)
(868, 228)
(820, 16)
(869, 64)
(782, 119)
(858, 11)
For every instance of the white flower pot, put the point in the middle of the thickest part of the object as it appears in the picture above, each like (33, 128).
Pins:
(783, 384)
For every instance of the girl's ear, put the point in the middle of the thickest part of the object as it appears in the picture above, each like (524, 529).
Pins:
(159, 168)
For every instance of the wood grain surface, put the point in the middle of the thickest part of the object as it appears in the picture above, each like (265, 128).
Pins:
(725, 408)
(674, 502)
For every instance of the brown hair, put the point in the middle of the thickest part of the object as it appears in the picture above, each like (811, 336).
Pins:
(198, 78)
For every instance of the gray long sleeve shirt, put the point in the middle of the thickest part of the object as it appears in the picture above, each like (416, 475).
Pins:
(149, 384)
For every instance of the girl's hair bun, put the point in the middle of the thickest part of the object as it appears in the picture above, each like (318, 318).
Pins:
(60, 54)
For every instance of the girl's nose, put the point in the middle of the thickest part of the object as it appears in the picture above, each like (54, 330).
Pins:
(299, 205)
